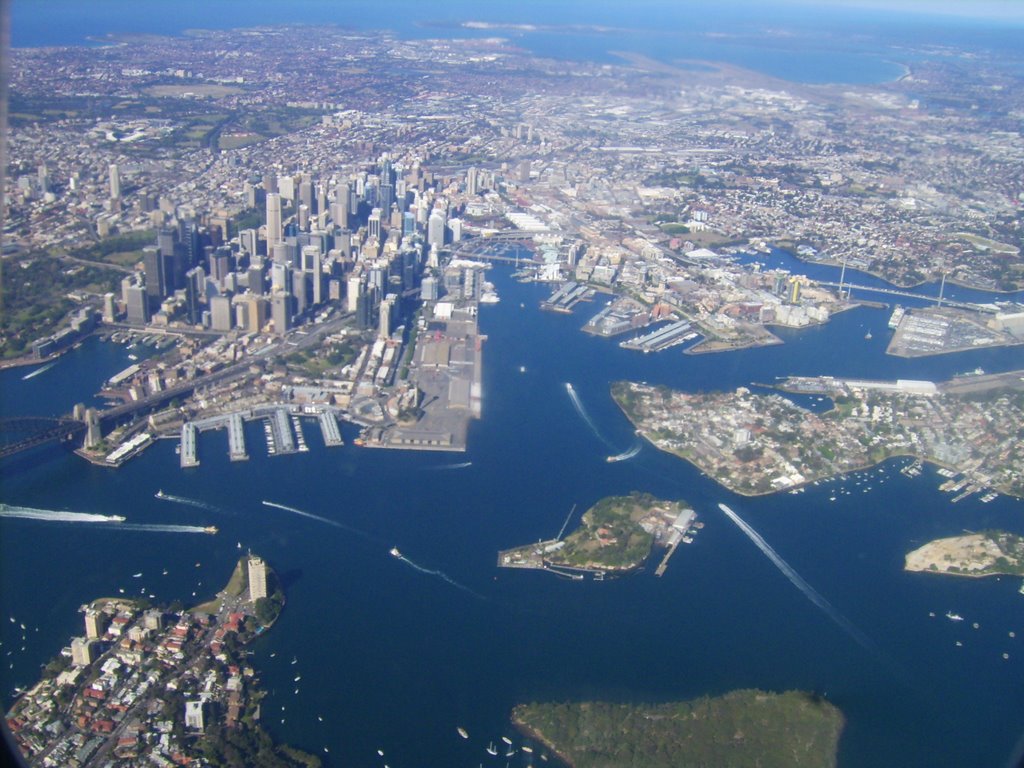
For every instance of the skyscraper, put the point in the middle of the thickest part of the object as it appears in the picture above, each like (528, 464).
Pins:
(220, 313)
(115, 181)
(373, 224)
(281, 314)
(138, 307)
(435, 229)
(257, 578)
(195, 283)
(273, 219)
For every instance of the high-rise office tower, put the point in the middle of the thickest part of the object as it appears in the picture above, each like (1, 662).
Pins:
(156, 274)
(195, 282)
(429, 289)
(435, 229)
(280, 277)
(373, 224)
(471, 182)
(220, 313)
(339, 215)
(115, 181)
(137, 305)
(274, 233)
(281, 314)
(109, 311)
(353, 289)
(312, 265)
(306, 194)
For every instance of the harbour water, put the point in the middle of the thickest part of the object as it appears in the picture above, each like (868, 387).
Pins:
(741, 34)
(395, 657)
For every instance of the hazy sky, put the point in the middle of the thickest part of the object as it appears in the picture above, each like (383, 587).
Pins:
(1009, 10)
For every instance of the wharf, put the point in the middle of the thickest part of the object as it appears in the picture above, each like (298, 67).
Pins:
(679, 528)
(236, 438)
(662, 338)
(282, 432)
(567, 296)
(329, 429)
(189, 457)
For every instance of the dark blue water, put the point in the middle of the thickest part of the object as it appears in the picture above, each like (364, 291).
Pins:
(394, 658)
(801, 43)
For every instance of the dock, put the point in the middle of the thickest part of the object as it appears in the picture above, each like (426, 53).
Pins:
(329, 429)
(679, 528)
(567, 296)
(662, 338)
(236, 438)
(189, 457)
(283, 436)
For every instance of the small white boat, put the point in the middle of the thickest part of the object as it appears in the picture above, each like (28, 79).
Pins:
(462, 732)
(954, 616)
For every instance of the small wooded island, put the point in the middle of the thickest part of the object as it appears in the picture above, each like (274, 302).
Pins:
(741, 728)
(989, 553)
(615, 536)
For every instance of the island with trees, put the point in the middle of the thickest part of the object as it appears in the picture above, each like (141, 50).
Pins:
(615, 536)
(988, 553)
(741, 728)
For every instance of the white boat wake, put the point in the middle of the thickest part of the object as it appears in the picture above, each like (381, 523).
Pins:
(626, 455)
(578, 405)
(158, 528)
(37, 371)
(443, 467)
(188, 502)
(798, 581)
(327, 521)
(56, 516)
(439, 574)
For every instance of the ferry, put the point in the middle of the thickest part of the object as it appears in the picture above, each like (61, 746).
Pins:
(954, 616)
(394, 552)
(210, 529)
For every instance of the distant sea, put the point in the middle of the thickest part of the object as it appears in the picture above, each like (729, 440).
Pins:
(395, 657)
(802, 43)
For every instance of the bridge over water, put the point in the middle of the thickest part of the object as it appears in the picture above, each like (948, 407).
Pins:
(20, 433)
(896, 292)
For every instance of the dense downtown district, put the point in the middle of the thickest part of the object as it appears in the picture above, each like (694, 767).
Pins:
(300, 235)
